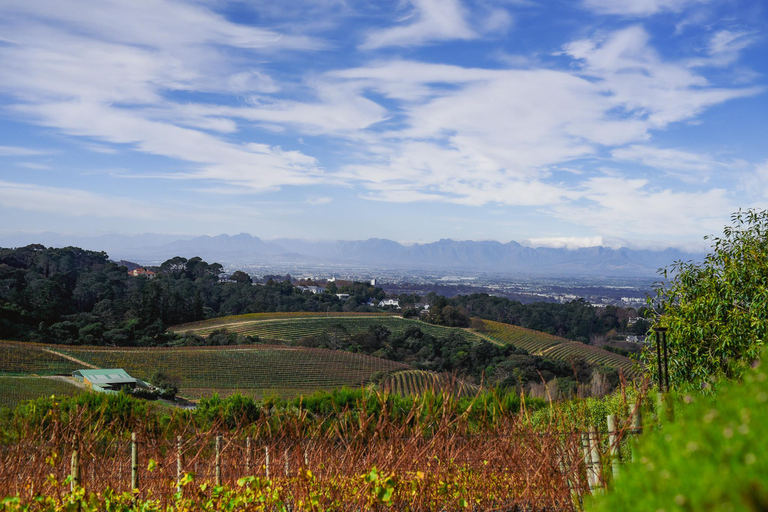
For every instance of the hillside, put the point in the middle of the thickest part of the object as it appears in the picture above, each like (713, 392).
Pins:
(295, 326)
(559, 349)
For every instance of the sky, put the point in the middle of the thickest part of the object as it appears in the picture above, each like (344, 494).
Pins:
(560, 122)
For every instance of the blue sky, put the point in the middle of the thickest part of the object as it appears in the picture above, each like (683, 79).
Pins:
(560, 122)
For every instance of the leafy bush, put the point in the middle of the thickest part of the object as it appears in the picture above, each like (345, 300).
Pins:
(713, 457)
(716, 310)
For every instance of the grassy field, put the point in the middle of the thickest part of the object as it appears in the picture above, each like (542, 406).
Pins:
(15, 389)
(204, 327)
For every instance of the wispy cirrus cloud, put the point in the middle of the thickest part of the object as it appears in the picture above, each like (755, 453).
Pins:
(429, 21)
(19, 151)
(476, 136)
(684, 164)
(639, 7)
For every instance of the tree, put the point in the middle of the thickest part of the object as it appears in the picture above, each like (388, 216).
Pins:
(716, 310)
(241, 277)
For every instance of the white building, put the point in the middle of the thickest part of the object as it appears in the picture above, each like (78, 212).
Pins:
(313, 289)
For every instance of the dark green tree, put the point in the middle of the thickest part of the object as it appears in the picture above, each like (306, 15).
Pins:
(717, 310)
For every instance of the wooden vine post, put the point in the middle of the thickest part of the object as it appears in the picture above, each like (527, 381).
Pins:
(179, 464)
(134, 462)
(613, 446)
(266, 459)
(75, 468)
(247, 456)
(218, 459)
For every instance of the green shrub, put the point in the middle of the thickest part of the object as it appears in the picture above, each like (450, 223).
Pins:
(714, 456)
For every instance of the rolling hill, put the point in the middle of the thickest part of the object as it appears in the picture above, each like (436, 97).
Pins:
(294, 326)
(272, 369)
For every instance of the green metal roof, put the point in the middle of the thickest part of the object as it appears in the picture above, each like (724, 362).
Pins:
(105, 376)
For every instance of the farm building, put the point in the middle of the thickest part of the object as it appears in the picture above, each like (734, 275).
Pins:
(107, 379)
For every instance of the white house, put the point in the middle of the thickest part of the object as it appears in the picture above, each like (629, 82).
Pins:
(342, 296)
(389, 302)
(313, 289)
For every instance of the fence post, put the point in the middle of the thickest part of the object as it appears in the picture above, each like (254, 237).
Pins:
(587, 458)
(637, 422)
(179, 464)
(218, 460)
(266, 459)
(613, 446)
(286, 462)
(247, 456)
(594, 451)
(75, 468)
(134, 462)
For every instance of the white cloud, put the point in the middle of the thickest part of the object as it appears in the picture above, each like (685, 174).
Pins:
(755, 182)
(318, 201)
(476, 136)
(620, 207)
(642, 84)
(34, 166)
(572, 242)
(565, 242)
(433, 20)
(726, 45)
(19, 151)
(690, 167)
(638, 7)
(76, 68)
(73, 203)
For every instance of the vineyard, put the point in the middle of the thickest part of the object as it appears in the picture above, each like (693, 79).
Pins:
(594, 355)
(16, 389)
(17, 358)
(416, 382)
(554, 347)
(532, 341)
(256, 370)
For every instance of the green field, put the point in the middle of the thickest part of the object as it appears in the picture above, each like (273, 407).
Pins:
(15, 389)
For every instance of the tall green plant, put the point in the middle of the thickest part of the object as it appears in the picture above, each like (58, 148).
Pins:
(717, 310)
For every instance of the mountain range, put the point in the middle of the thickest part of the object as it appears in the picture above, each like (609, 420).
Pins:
(445, 254)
